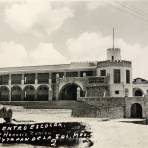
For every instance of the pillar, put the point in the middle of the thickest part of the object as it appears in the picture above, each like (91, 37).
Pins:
(49, 82)
(36, 79)
(22, 82)
(22, 95)
(35, 99)
(84, 74)
(9, 79)
(64, 74)
(57, 76)
(50, 94)
(78, 92)
(9, 83)
(10, 94)
(78, 73)
(57, 86)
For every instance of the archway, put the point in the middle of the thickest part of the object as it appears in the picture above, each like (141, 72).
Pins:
(29, 93)
(136, 110)
(16, 93)
(138, 92)
(4, 93)
(69, 92)
(42, 93)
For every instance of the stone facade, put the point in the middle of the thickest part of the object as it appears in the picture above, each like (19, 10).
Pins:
(53, 82)
(107, 86)
(109, 107)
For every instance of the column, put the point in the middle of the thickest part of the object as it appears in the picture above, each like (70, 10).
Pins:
(35, 99)
(9, 94)
(57, 86)
(36, 79)
(78, 93)
(78, 73)
(50, 94)
(22, 96)
(9, 83)
(49, 80)
(64, 74)
(50, 88)
(22, 82)
(9, 80)
(84, 74)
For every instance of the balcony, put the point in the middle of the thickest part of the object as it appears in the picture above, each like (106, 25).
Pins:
(89, 81)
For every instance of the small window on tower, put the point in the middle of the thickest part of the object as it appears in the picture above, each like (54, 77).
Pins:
(112, 58)
(116, 92)
(103, 72)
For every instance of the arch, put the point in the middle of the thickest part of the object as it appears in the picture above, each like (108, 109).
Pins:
(61, 85)
(138, 92)
(136, 110)
(42, 93)
(29, 93)
(16, 93)
(69, 92)
(4, 93)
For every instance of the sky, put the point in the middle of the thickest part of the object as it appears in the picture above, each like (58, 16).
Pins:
(45, 32)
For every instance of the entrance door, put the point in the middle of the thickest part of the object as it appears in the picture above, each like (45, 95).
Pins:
(136, 110)
(69, 92)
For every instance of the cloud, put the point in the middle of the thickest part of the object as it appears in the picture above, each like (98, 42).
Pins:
(47, 54)
(86, 47)
(36, 16)
(90, 46)
(94, 4)
(13, 54)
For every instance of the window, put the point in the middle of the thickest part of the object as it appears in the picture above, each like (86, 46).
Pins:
(112, 58)
(117, 77)
(43, 78)
(16, 78)
(102, 72)
(88, 73)
(4, 79)
(29, 78)
(127, 76)
(116, 92)
(71, 74)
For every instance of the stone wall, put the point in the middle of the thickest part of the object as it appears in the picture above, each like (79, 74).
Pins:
(104, 101)
(99, 112)
(101, 107)
(112, 107)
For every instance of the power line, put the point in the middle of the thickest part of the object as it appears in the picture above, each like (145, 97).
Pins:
(128, 10)
(133, 11)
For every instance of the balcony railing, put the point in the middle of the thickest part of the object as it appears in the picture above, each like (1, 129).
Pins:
(97, 80)
(88, 80)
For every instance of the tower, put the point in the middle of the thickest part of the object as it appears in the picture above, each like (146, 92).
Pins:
(119, 72)
(114, 54)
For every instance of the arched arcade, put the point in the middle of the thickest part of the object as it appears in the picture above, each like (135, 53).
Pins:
(16, 93)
